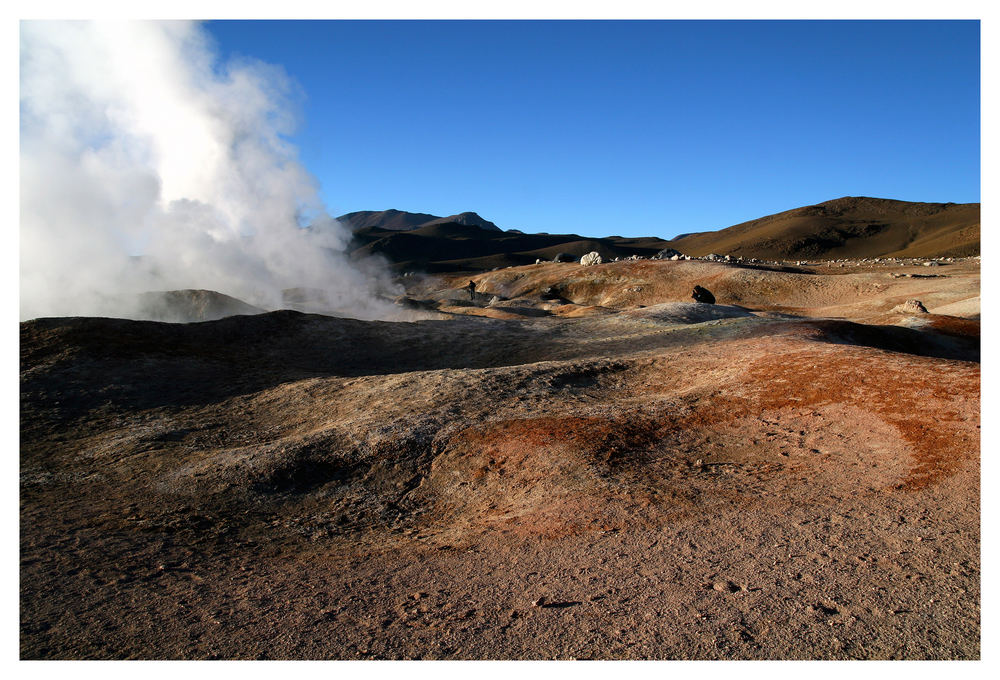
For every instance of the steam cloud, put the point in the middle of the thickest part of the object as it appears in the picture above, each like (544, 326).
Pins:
(135, 140)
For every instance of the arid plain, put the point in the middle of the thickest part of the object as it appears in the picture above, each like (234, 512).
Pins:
(580, 462)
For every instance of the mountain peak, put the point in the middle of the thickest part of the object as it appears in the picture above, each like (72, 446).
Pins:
(401, 220)
(469, 219)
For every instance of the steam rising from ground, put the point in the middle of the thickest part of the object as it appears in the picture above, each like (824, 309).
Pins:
(136, 141)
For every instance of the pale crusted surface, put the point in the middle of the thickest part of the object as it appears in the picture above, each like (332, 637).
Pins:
(675, 486)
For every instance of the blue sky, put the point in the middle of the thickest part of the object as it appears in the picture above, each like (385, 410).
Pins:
(632, 128)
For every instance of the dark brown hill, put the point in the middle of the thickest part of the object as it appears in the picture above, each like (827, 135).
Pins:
(452, 247)
(849, 227)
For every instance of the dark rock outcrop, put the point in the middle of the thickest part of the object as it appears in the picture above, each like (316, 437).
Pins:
(700, 294)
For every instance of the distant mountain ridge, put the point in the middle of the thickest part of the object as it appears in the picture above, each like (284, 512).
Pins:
(850, 227)
(400, 220)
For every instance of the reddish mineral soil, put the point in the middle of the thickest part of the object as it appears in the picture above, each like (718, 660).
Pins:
(589, 466)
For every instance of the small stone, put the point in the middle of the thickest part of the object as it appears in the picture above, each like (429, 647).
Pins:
(540, 602)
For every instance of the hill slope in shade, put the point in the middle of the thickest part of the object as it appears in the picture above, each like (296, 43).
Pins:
(450, 247)
(849, 227)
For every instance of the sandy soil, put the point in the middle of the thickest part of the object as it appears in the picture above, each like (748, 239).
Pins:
(588, 466)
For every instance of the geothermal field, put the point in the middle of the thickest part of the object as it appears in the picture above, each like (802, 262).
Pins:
(253, 429)
(570, 462)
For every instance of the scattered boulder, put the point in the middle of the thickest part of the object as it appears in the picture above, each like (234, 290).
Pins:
(700, 294)
(712, 257)
(563, 257)
(668, 254)
(591, 258)
(911, 307)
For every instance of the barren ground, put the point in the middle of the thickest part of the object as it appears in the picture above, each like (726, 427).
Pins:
(590, 466)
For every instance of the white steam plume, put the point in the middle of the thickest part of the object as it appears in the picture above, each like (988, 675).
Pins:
(136, 141)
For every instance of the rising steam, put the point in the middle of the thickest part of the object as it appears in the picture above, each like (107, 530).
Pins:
(148, 165)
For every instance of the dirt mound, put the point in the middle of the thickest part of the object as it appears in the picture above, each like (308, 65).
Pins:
(182, 306)
(968, 308)
(923, 339)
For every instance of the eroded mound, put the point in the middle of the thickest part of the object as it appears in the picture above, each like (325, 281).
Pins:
(687, 312)
(182, 306)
